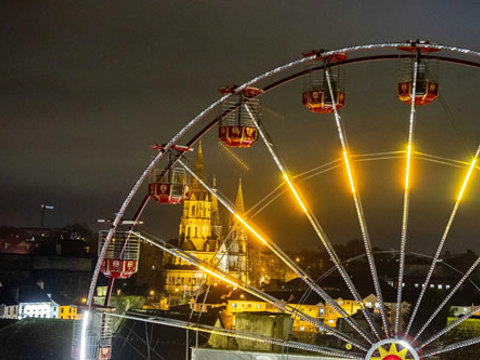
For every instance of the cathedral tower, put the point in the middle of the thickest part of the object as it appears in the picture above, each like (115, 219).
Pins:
(234, 251)
(195, 233)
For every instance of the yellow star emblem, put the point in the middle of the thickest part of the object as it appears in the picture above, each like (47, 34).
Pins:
(391, 354)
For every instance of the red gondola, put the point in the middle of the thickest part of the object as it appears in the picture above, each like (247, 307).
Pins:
(170, 186)
(236, 127)
(426, 86)
(121, 258)
(317, 96)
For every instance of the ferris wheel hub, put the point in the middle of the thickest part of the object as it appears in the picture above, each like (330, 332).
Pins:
(392, 349)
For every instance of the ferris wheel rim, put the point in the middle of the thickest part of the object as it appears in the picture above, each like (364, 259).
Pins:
(207, 110)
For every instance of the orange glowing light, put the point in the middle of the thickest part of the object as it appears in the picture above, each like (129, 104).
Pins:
(472, 166)
(295, 193)
(407, 172)
(349, 171)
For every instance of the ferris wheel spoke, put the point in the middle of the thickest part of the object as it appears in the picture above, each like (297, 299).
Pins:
(158, 320)
(284, 257)
(450, 327)
(318, 230)
(444, 238)
(406, 195)
(452, 347)
(358, 207)
(219, 258)
(279, 304)
(448, 297)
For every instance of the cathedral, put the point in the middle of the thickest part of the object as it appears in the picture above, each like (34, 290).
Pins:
(201, 234)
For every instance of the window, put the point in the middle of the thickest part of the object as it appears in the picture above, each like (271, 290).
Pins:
(234, 305)
(447, 286)
(192, 211)
(432, 286)
(440, 286)
(416, 285)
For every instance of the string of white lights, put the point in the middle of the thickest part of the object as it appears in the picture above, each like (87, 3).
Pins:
(443, 239)
(158, 320)
(406, 198)
(448, 297)
(360, 213)
(451, 347)
(450, 327)
(318, 230)
(273, 247)
(207, 268)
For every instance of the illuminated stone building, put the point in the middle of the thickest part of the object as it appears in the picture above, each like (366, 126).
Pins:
(233, 253)
(200, 234)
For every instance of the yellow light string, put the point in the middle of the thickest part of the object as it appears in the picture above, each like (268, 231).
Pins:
(349, 171)
(472, 166)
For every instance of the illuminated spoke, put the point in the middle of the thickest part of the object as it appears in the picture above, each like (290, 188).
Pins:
(359, 210)
(450, 327)
(406, 197)
(444, 302)
(443, 239)
(281, 255)
(320, 233)
(451, 347)
(235, 334)
(207, 268)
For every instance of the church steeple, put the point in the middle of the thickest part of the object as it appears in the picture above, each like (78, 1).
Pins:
(236, 255)
(198, 191)
(199, 162)
(239, 206)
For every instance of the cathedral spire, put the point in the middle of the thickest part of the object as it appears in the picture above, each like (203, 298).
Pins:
(239, 206)
(199, 162)
(197, 189)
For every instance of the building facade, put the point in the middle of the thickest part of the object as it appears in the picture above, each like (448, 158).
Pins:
(201, 234)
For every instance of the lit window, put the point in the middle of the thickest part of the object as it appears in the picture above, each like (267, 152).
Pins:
(440, 286)
(258, 306)
(234, 305)
(432, 286)
(416, 285)
(330, 321)
(368, 304)
(447, 286)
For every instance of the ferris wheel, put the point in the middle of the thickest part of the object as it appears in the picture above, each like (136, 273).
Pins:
(237, 118)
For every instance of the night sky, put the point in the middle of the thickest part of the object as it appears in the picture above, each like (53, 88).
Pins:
(86, 87)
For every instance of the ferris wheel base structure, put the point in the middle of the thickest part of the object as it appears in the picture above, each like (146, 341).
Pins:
(239, 126)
